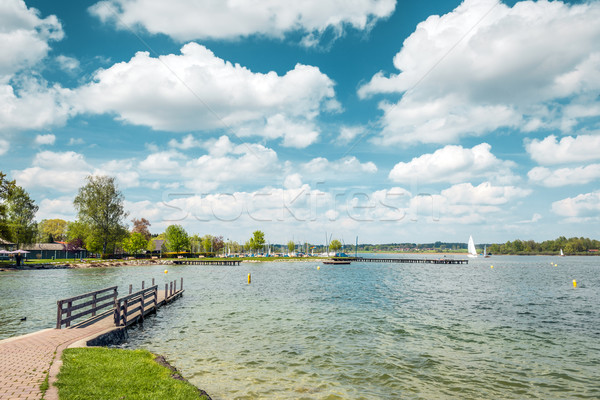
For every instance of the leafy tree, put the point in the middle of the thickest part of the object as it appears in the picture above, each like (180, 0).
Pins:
(21, 216)
(207, 243)
(177, 238)
(195, 243)
(335, 245)
(100, 206)
(141, 226)
(218, 243)
(257, 241)
(52, 230)
(135, 243)
(5, 188)
(291, 246)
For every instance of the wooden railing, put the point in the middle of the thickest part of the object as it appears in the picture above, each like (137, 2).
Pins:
(93, 303)
(129, 305)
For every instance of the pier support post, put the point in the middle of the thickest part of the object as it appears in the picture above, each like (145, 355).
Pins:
(143, 283)
(181, 288)
(130, 288)
(152, 281)
(166, 291)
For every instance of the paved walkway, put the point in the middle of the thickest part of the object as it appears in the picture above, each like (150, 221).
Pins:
(25, 361)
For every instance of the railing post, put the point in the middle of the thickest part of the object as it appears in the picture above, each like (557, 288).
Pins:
(175, 286)
(181, 288)
(170, 289)
(152, 281)
(125, 312)
(69, 305)
(130, 288)
(143, 285)
(59, 314)
(142, 303)
(117, 314)
(155, 298)
(94, 305)
(166, 291)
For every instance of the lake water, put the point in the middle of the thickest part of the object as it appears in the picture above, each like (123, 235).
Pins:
(359, 331)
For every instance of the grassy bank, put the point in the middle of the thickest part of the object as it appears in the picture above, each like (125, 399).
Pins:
(100, 373)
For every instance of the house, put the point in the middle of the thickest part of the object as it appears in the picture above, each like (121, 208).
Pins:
(5, 244)
(159, 246)
(56, 250)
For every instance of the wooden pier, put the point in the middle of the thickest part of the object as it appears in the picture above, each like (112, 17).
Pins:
(404, 260)
(99, 306)
(207, 262)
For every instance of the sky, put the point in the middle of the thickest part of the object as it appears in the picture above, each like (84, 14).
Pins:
(393, 121)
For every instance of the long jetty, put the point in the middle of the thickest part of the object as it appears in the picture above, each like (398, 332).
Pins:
(404, 260)
(91, 319)
(207, 262)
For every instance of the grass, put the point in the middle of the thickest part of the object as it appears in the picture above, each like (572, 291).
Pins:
(102, 373)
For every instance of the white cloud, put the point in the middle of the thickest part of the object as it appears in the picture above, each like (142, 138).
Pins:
(61, 207)
(66, 63)
(61, 171)
(483, 194)
(123, 170)
(164, 163)
(24, 36)
(580, 206)
(199, 91)
(454, 164)
(346, 167)
(348, 133)
(48, 139)
(569, 149)
(229, 20)
(4, 146)
(75, 141)
(186, 143)
(33, 105)
(564, 176)
(486, 66)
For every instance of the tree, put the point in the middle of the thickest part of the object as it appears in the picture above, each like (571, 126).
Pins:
(218, 243)
(135, 243)
(335, 245)
(99, 205)
(207, 243)
(257, 241)
(141, 226)
(5, 188)
(291, 246)
(21, 216)
(51, 230)
(195, 243)
(177, 238)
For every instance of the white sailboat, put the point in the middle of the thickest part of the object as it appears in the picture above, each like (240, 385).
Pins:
(472, 253)
(561, 253)
(485, 253)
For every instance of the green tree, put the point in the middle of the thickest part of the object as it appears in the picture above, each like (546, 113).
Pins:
(195, 243)
(21, 216)
(335, 245)
(5, 188)
(52, 230)
(291, 246)
(177, 238)
(257, 241)
(135, 243)
(100, 206)
(207, 243)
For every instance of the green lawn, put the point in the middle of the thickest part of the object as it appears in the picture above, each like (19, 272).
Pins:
(101, 373)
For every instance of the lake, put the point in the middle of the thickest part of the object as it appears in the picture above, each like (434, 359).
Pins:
(359, 331)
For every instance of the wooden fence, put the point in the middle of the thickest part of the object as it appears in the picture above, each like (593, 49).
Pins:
(92, 301)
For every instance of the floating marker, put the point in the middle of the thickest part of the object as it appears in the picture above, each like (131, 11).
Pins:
(491, 266)
(574, 283)
(249, 280)
(166, 271)
(318, 267)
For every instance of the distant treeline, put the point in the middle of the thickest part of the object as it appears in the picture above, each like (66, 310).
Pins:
(572, 245)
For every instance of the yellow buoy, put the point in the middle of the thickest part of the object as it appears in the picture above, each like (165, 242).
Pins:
(249, 280)
(491, 266)
(318, 267)
(574, 283)
(166, 271)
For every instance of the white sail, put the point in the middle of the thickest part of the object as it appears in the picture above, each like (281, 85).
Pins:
(561, 253)
(471, 248)
(484, 250)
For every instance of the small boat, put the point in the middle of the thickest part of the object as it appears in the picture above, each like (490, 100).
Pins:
(485, 253)
(472, 253)
(561, 253)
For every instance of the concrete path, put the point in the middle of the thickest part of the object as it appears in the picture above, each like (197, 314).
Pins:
(26, 361)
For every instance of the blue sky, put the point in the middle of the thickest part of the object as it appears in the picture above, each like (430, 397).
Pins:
(391, 121)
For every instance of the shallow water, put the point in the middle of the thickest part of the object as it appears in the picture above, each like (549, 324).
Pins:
(360, 331)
